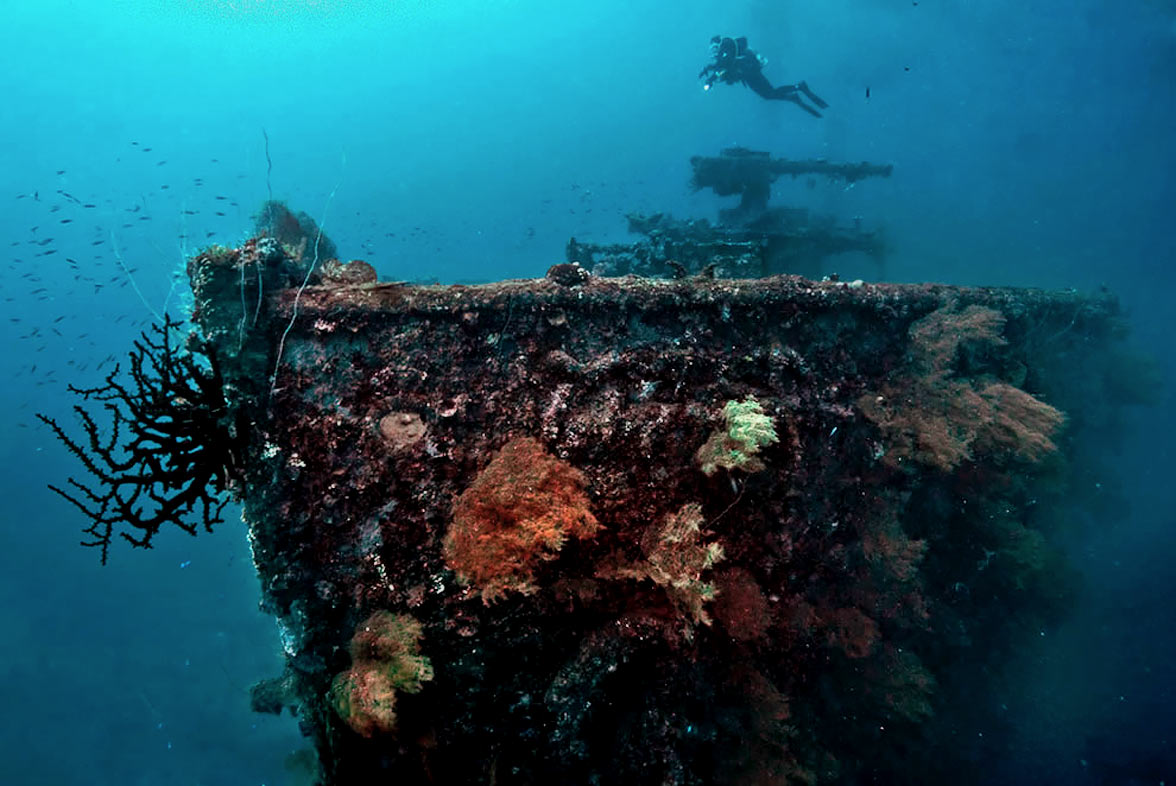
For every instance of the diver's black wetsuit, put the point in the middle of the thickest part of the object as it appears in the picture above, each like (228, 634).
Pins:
(734, 62)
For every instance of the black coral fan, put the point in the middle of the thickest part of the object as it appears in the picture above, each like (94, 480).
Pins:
(171, 448)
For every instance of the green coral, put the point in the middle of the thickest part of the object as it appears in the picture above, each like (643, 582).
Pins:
(737, 446)
(385, 661)
(676, 558)
(748, 424)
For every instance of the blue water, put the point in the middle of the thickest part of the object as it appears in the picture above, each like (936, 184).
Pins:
(451, 140)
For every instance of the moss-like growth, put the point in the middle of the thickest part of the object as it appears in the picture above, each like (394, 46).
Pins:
(737, 445)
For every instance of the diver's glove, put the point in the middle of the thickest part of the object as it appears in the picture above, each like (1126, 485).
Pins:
(709, 76)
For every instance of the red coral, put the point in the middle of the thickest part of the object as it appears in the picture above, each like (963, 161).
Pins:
(887, 547)
(1018, 423)
(852, 632)
(517, 513)
(930, 416)
(936, 338)
(895, 593)
(763, 756)
(902, 683)
(741, 607)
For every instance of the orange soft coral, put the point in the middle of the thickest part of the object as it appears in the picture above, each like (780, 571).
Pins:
(517, 513)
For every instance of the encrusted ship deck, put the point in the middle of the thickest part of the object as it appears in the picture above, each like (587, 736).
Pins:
(580, 530)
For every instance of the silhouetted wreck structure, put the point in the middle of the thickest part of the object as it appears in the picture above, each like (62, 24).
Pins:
(750, 240)
(610, 531)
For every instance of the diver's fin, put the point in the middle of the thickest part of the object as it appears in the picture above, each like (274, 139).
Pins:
(808, 109)
(816, 99)
(795, 99)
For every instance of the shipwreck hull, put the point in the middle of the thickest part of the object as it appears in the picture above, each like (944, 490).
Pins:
(573, 590)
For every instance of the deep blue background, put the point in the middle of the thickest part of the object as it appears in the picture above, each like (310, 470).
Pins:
(1032, 145)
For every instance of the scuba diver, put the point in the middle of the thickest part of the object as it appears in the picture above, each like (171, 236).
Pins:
(734, 62)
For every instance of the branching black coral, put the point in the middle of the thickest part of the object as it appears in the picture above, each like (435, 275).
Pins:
(170, 451)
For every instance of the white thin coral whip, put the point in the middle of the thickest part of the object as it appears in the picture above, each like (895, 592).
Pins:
(241, 322)
(306, 280)
(257, 308)
(131, 278)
